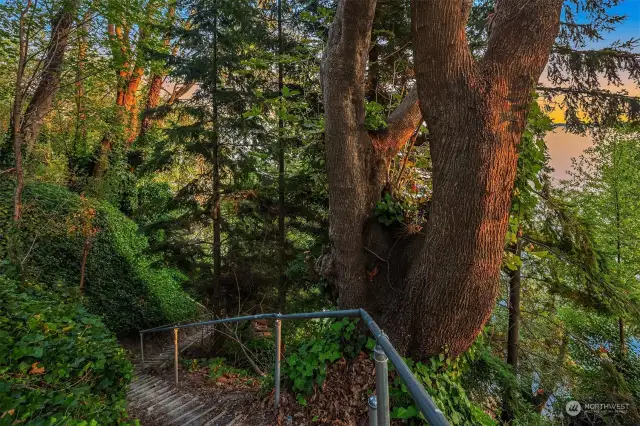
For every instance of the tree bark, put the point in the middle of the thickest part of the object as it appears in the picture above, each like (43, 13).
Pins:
(83, 266)
(445, 280)
(282, 279)
(217, 257)
(153, 100)
(157, 80)
(16, 115)
(42, 100)
(515, 277)
(81, 126)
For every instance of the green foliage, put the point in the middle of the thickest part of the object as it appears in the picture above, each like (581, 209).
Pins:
(217, 367)
(375, 115)
(389, 211)
(442, 379)
(122, 283)
(306, 365)
(58, 363)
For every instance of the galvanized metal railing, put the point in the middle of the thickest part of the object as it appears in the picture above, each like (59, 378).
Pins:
(379, 409)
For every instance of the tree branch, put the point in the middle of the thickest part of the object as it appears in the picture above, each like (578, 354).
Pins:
(535, 25)
(588, 92)
(401, 125)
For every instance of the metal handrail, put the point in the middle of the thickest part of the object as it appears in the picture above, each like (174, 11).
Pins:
(383, 347)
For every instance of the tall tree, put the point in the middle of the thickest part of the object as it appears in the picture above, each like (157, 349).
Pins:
(44, 76)
(282, 279)
(603, 187)
(49, 76)
(441, 284)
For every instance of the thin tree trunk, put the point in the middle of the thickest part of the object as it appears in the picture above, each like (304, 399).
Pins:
(507, 415)
(81, 116)
(616, 196)
(215, 158)
(16, 116)
(85, 254)
(282, 279)
(42, 100)
(514, 312)
(623, 343)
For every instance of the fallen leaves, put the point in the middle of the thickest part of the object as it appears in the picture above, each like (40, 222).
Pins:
(341, 401)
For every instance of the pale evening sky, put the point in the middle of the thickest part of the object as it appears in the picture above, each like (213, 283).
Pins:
(562, 145)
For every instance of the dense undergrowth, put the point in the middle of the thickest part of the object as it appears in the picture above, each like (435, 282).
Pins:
(59, 364)
(121, 281)
(318, 345)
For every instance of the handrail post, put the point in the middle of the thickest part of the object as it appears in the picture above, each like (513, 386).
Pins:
(276, 374)
(373, 407)
(175, 354)
(142, 349)
(382, 386)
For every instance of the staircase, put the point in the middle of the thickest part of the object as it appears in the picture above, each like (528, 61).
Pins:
(162, 358)
(159, 402)
(156, 400)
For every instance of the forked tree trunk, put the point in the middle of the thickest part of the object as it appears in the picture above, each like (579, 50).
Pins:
(441, 285)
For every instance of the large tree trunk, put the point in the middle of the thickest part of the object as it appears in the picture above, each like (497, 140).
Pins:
(440, 287)
(157, 80)
(42, 100)
(153, 100)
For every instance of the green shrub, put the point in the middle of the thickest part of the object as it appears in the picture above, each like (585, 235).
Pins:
(58, 363)
(441, 378)
(311, 351)
(307, 363)
(122, 282)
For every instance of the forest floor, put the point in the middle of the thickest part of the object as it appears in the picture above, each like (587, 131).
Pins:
(340, 401)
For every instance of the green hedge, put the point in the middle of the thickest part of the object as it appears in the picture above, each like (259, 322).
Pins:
(58, 363)
(122, 283)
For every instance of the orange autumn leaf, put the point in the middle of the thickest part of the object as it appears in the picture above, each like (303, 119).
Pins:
(35, 369)
(10, 413)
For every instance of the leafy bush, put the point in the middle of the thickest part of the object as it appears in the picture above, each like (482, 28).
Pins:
(122, 282)
(307, 363)
(389, 211)
(58, 363)
(441, 378)
(330, 340)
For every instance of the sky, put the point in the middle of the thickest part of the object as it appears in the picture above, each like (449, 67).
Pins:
(562, 145)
